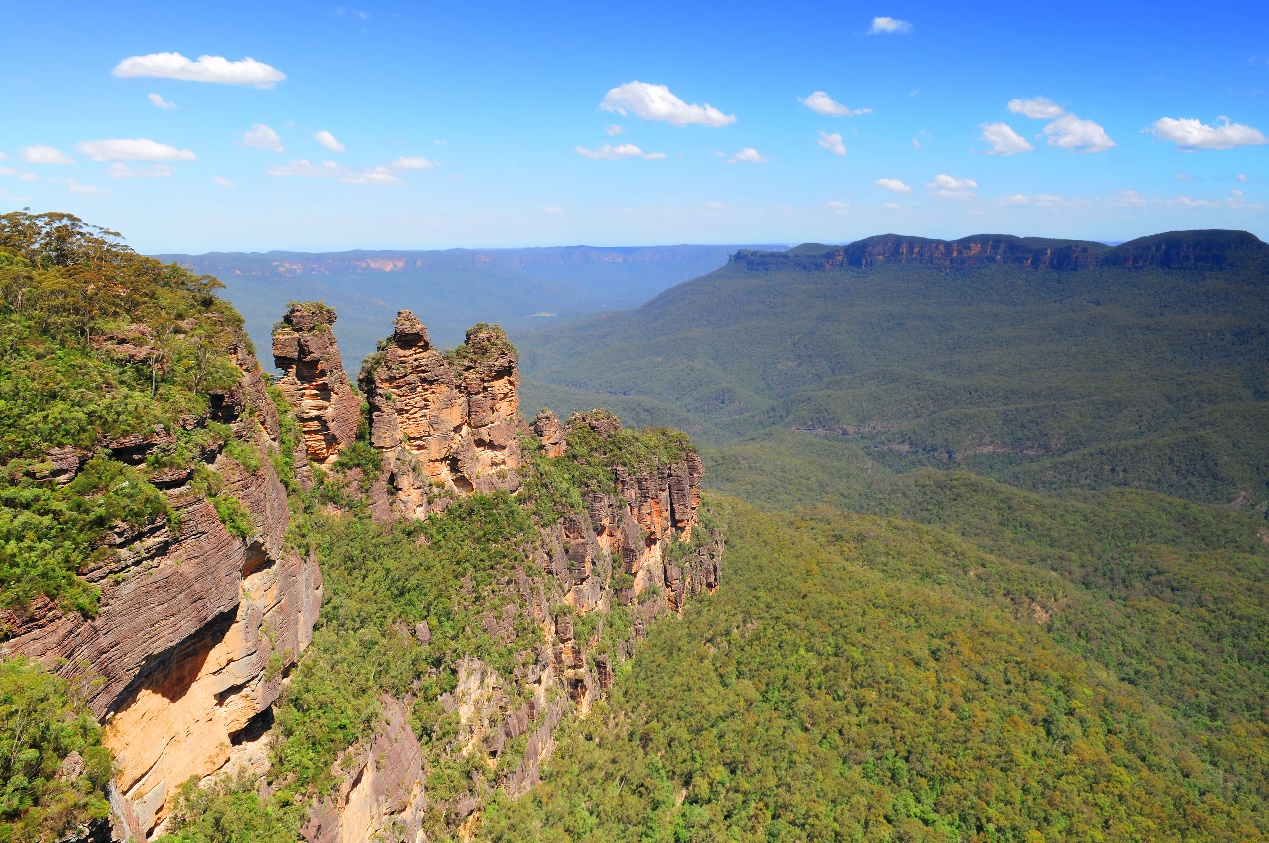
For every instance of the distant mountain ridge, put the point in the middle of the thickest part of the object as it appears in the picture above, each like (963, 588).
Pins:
(1169, 250)
(453, 288)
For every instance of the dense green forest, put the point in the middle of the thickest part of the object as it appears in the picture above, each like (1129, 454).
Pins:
(865, 678)
(1147, 377)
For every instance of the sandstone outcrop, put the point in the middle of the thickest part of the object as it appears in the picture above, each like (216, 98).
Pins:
(315, 383)
(445, 425)
(195, 625)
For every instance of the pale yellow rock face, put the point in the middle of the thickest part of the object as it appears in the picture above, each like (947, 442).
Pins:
(185, 721)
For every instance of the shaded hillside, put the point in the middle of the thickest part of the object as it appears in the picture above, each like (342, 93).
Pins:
(453, 289)
(1138, 374)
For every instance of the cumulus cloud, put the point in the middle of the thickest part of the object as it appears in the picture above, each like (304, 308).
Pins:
(833, 143)
(608, 152)
(222, 182)
(7, 171)
(893, 185)
(327, 140)
(655, 102)
(40, 154)
(822, 103)
(1037, 108)
(133, 149)
(612, 130)
(260, 136)
(123, 171)
(1191, 135)
(889, 26)
(158, 102)
(1242, 177)
(950, 187)
(1071, 133)
(1003, 139)
(748, 155)
(214, 69)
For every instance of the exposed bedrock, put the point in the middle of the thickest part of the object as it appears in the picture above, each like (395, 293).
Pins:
(314, 382)
(446, 425)
(195, 625)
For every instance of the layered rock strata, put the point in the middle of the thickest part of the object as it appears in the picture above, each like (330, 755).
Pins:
(195, 625)
(315, 384)
(445, 425)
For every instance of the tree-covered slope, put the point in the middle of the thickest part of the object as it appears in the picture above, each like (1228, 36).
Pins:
(871, 679)
(1141, 371)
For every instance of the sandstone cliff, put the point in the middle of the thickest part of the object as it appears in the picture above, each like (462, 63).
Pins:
(315, 383)
(445, 426)
(196, 625)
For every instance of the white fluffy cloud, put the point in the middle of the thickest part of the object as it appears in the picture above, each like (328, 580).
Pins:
(260, 136)
(1071, 133)
(608, 152)
(215, 69)
(222, 182)
(1190, 135)
(158, 102)
(123, 171)
(833, 143)
(950, 187)
(1066, 131)
(327, 140)
(748, 155)
(893, 185)
(655, 102)
(889, 26)
(1037, 108)
(40, 154)
(133, 149)
(612, 130)
(822, 103)
(1004, 140)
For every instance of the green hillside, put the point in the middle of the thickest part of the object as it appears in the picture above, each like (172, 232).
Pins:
(864, 678)
(1150, 375)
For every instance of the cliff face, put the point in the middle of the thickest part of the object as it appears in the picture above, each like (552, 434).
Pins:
(1176, 249)
(444, 426)
(315, 383)
(195, 625)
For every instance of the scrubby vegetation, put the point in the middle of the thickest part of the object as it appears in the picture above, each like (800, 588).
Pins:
(53, 768)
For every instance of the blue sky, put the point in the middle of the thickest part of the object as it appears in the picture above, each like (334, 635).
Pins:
(464, 124)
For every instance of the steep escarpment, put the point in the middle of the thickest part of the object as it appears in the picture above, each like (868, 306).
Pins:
(142, 510)
(170, 525)
(1177, 249)
(495, 579)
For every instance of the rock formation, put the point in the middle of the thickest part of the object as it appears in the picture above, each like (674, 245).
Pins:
(445, 425)
(195, 625)
(315, 383)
